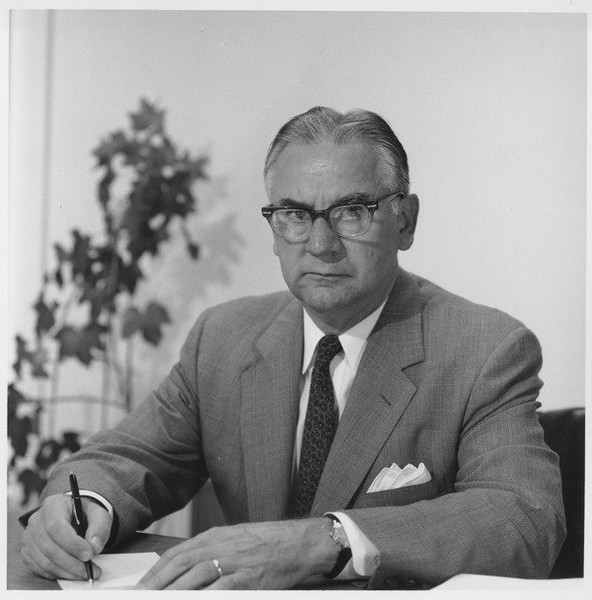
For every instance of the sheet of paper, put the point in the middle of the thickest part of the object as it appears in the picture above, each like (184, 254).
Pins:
(120, 571)
(489, 582)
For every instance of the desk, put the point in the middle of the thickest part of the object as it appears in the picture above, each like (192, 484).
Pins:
(20, 577)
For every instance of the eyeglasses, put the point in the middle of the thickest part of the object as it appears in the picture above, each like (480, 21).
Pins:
(348, 219)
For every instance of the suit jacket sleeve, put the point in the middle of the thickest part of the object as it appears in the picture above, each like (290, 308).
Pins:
(505, 513)
(152, 463)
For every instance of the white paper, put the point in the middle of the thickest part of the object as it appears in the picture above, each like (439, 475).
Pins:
(120, 571)
(490, 582)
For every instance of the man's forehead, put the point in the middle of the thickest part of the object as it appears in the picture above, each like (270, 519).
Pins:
(353, 163)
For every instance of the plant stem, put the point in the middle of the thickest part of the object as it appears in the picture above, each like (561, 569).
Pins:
(106, 381)
(53, 394)
(129, 368)
(64, 309)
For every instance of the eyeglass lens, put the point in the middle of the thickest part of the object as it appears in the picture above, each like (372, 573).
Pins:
(348, 220)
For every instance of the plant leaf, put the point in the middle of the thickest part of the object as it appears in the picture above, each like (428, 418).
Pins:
(193, 250)
(48, 454)
(154, 317)
(79, 256)
(68, 339)
(89, 338)
(131, 322)
(45, 318)
(38, 360)
(109, 147)
(61, 254)
(33, 483)
(22, 354)
(129, 275)
(79, 343)
(148, 117)
(59, 278)
(18, 427)
(104, 185)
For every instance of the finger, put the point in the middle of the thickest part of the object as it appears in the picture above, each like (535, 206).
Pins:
(197, 578)
(44, 566)
(53, 558)
(34, 566)
(43, 550)
(99, 526)
(178, 556)
(52, 541)
(54, 521)
(167, 570)
(229, 582)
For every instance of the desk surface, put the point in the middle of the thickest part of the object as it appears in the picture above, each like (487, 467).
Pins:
(20, 577)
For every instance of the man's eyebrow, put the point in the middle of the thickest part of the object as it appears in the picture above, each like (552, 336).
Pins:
(292, 203)
(355, 197)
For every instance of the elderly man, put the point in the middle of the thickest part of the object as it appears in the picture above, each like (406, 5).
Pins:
(364, 424)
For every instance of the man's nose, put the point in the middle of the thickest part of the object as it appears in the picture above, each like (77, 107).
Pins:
(322, 239)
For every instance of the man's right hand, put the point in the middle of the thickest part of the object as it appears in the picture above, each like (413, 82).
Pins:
(51, 546)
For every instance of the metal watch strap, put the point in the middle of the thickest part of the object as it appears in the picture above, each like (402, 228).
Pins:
(345, 552)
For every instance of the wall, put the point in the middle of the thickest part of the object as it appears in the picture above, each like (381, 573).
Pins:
(490, 107)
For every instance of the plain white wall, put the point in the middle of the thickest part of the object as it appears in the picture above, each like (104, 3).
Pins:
(491, 109)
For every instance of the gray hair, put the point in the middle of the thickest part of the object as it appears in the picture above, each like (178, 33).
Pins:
(321, 123)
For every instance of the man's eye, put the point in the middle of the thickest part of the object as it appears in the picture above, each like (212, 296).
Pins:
(355, 211)
(295, 214)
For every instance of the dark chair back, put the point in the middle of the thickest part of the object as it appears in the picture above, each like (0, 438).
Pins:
(564, 434)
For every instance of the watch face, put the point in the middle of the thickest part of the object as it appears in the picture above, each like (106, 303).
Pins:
(340, 535)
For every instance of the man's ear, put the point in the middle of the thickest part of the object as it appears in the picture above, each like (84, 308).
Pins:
(408, 213)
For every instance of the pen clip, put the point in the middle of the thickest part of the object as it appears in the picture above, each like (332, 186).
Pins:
(77, 520)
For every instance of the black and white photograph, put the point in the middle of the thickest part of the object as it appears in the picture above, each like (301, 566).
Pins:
(296, 296)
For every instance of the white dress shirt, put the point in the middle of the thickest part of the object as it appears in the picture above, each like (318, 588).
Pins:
(343, 369)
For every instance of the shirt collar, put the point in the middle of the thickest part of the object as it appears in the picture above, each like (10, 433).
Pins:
(353, 341)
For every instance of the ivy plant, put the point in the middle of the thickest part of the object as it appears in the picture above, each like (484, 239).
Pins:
(86, 309)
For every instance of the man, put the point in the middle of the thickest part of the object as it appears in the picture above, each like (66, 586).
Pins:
(412, 374)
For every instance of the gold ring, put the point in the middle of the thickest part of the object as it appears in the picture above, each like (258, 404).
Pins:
(218, 567)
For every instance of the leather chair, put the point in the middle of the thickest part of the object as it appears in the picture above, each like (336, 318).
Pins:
(564, 434)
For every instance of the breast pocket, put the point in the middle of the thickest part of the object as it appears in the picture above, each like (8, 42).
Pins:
(398, 497)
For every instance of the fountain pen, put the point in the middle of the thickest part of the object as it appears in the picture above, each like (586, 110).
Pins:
(80, 522)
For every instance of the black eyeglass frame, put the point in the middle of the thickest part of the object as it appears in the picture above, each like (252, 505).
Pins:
(371, 205)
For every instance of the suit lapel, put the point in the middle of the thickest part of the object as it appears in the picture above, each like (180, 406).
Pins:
(269, 414)
(380, 394)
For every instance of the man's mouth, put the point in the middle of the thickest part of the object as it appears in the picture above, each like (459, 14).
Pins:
(320, 275)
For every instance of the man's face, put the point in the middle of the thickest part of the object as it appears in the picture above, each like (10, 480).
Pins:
(339, 280)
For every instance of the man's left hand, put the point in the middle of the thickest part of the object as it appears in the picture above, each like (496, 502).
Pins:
(271, 555)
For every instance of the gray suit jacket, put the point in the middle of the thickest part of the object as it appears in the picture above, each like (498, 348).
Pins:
(442, 381)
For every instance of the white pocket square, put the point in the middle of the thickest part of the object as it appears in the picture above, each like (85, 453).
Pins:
(393, 477)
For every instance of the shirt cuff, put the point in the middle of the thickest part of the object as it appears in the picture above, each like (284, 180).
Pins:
(100, 499)
(364, 552)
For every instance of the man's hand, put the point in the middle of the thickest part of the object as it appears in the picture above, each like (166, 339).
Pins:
(51, 547)
(274, 555)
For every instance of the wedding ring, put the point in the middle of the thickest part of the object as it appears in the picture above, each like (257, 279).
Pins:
(218, 567)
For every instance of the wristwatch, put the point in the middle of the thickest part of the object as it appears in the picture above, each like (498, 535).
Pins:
(338, 536)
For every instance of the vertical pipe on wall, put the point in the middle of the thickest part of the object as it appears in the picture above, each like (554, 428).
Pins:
(47, 137)
(45, 197)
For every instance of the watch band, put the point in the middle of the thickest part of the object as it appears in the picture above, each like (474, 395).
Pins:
(345, 552)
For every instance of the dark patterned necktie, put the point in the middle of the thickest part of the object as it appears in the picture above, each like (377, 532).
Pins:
(319, 428)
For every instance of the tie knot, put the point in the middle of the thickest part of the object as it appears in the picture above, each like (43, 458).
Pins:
(327, 348)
